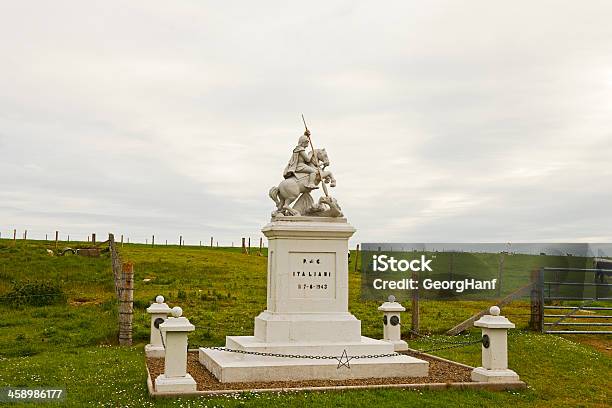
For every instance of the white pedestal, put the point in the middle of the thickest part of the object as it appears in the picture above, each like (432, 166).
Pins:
(175, 377)
(307, 313)
(495, 350)
(392, 332)
(158, 310)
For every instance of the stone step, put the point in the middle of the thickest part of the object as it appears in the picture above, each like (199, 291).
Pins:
(232, 367)
(365, 346)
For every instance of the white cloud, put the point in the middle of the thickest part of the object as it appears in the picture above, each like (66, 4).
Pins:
(444, 121)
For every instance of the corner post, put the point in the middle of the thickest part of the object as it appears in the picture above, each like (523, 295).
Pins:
(392, 332)
(175, 377)
(494, 349)
(157, 310)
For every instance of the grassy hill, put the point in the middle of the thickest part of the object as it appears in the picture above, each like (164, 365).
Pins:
(64, 333)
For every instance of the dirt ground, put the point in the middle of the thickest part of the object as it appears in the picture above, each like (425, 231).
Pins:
(601, 343)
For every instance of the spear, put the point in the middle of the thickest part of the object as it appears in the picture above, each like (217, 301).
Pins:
(314, 155)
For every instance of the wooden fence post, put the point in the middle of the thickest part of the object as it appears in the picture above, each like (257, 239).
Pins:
(356, 257)
(56, 238)
(211, 242)
(115, 263)
(153, 240)
(123, 274)
(126, 304)
(536, 322)
(68, 238)
(260, 246)
(243, 246)
(534, 295)
(500, 274)
(121, 240)
(249, 247)
(46, 237)
(14, 237)
(25, 235)
(93, 238)
(415, 303)
(181, 241)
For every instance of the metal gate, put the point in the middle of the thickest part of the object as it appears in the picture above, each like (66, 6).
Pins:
(574, 284)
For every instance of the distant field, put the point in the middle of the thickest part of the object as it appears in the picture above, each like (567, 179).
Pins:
(73, 343)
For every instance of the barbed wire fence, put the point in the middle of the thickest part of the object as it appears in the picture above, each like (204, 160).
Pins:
(59, 238)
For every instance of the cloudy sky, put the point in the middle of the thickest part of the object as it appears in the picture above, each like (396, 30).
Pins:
(444, 120)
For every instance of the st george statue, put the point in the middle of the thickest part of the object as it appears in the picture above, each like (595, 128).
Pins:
(304, 173)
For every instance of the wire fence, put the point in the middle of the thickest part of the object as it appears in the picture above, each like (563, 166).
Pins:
(249, 242)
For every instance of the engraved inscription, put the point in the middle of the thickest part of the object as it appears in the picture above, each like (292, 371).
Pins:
(312, 275)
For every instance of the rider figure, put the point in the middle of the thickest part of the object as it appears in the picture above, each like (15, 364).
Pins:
(302, 162)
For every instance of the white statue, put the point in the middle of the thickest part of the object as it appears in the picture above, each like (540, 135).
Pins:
(303, 174)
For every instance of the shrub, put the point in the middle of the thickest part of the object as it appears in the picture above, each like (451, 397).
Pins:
(36, 293)
(140, 333)
(141, 304)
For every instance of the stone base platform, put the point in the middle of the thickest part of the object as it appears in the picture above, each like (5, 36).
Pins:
(398, 345)
(236, 367)
(494, 376)
(443, 375)
(155, 351)
(175, 385)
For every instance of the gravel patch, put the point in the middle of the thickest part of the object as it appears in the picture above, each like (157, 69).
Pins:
(439, 372)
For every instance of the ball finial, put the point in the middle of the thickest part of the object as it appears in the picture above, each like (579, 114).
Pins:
(391, 298)
(159, 299)
(494, 310)
(177, 311)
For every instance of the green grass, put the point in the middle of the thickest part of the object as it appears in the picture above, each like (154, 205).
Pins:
(221, 290)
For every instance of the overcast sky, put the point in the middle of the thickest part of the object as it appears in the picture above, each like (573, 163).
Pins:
(444, 121)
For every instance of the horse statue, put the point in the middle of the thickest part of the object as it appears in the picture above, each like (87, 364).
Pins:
(289, 189)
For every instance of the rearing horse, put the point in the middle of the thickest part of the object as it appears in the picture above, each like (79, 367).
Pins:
(289, 189)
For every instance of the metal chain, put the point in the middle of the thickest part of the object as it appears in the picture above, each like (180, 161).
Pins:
(428, 338)
(161, 334)
(302, 356)
(453, 344)
(456, 345)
